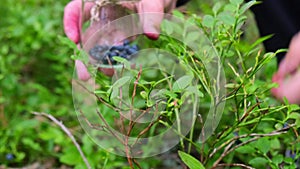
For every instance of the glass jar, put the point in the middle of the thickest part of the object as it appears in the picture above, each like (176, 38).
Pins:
(104, 31)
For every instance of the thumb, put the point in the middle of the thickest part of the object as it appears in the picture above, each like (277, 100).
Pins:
(151, 15)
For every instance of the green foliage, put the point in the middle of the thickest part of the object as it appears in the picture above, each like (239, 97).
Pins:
(190, 161)
(255, 129)
(35, 74)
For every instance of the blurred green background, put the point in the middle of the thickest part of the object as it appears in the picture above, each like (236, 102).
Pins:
(35, 75)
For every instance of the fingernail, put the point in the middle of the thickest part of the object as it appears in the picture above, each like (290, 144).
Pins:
(153, 36)
(151, 32)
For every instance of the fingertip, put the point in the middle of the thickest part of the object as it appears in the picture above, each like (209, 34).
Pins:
(151, 15)
(276, 78)
(72, 34)
(82, 71)
(71, 21)
(152, 35)
(152, 29)
(274, 91)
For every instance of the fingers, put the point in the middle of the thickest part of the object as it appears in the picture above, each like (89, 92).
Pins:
(73, 18)
(292, 59)
(151, 15)
(288, 88)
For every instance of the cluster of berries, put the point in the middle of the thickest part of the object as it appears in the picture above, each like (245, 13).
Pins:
(105, 54)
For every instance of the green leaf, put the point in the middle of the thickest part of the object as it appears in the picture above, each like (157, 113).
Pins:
(231, 85)
(120, 82)
(260, 40)
(168, 93)
(192, 36)
(144, 94)
(247, 5)
(68, 42)
(258, 162)
(236, 2)
(247, 149)
(263, 145)
(27, 124)
(275, 144)
(182, 82)
(31, 144)
(122, 60)
(295, 116)
(289, 160)
(100, 92)
(178, 14)
(227, 18)
(230, 8)
(71, 158)
(293, 108)
(87, 145)
(278, 159)
(190, 161)
(20, 156)
(208, 21)
(194, 90)
(167, 27)
(216, 7)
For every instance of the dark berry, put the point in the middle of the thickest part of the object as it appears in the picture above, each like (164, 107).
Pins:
(123, 54)
(126, 42)
(131, 51)
(114, 54)
(127, 47)
(119, 47)
(236, 134)
(9, 156)
(105, 54)
(98, 51)
(135, 47)
(289, 153)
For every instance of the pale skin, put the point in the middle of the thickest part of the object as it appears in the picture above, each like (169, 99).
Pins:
(73, 21)
(287, 76)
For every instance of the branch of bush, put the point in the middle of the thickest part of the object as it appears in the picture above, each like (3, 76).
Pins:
(67, 131)
(255, 136)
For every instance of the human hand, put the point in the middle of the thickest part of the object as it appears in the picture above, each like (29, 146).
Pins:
(74, 17)
(287, 75)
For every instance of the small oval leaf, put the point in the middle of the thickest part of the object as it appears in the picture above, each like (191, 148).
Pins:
(190, 161)
(182, 82)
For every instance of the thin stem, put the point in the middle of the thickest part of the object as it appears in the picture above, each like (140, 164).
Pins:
(67, 131)
(193, 123)
(108, 127)
(256, 137)
(179, 125)
(235, 165)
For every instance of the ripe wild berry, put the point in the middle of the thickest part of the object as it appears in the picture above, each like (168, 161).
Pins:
(104, 54)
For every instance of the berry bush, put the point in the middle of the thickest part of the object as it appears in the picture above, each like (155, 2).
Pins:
(254, 131)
